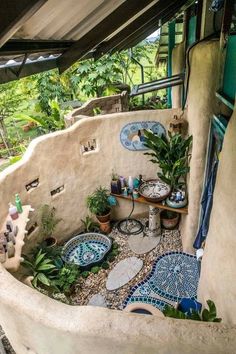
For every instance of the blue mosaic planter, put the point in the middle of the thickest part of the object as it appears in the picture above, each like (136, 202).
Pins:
(174, 276)
(86, 249)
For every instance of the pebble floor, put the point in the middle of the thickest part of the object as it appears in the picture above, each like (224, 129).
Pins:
(96, 283)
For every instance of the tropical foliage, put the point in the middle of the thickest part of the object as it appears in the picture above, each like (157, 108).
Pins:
(89, 224)
(45, 123)
(41, 268)
(48, 220)
(207, 315)
(172, 156)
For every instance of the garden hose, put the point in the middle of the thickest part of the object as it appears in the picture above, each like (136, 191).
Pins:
(130, 226)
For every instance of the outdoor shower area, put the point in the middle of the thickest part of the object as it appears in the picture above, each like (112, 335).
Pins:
(117, 233)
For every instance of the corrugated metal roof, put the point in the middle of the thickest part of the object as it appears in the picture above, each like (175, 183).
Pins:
(71, 29)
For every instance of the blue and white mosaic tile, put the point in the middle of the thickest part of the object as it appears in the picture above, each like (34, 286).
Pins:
(174, 276)
(132, 134)
(86, 249)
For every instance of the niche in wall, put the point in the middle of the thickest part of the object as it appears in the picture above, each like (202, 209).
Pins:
(88, 146)
(57, 190)
(32, 228)
(32, 185)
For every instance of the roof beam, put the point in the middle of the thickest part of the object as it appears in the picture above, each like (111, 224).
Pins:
(16, 72)
(13, 14)
(152, 14)
(19, 46)
(138, 36)
(101, 31)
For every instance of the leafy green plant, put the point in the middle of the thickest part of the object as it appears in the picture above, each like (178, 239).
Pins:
(171, 154)
(98, 202)
(85, 274)
(95, 269)
(206, 315)
(90, 225)
(41, 268)
(53, 253)
(48, 221)
(105, 265)
(46, 123)
(110, 257)
(51, 86)
(66, 277)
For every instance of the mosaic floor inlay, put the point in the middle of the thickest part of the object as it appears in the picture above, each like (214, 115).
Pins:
(174, 276)
(86, 249)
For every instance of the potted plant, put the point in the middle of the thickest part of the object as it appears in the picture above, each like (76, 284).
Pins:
(172, 156)
(115, 183)
(48, 223)
(98, 204)
(169, 219)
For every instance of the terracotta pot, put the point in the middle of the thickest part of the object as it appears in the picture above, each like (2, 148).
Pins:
(105, 227)
(50, 241)
(104, 218)
(169, 219)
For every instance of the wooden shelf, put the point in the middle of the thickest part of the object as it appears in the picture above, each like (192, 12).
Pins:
(156, 205)
(13, 263)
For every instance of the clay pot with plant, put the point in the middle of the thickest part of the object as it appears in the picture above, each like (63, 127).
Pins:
(169, 219)
(98, 204)
(48, 223)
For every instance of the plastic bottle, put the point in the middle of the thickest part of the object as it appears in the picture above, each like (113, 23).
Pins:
(18, 203)
(131, 183)
(13, 212)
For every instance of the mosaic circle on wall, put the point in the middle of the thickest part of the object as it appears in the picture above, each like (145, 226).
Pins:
(86, 249)
(132, 134)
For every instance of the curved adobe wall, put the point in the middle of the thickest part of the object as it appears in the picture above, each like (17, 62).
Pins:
(201, 105)
(56, 159)
(36, 324)
(218, 272)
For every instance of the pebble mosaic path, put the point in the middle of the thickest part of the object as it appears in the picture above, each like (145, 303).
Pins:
(96, 283)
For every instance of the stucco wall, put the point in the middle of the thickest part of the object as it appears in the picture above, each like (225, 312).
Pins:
(178, 63)
(201, 104)
(219, 262)
(56, 159)
(36, 324)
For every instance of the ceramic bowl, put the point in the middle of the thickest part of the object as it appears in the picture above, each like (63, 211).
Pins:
(86, 249)
(154, 190)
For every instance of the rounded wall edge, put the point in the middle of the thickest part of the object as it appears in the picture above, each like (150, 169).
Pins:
(37, 324)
